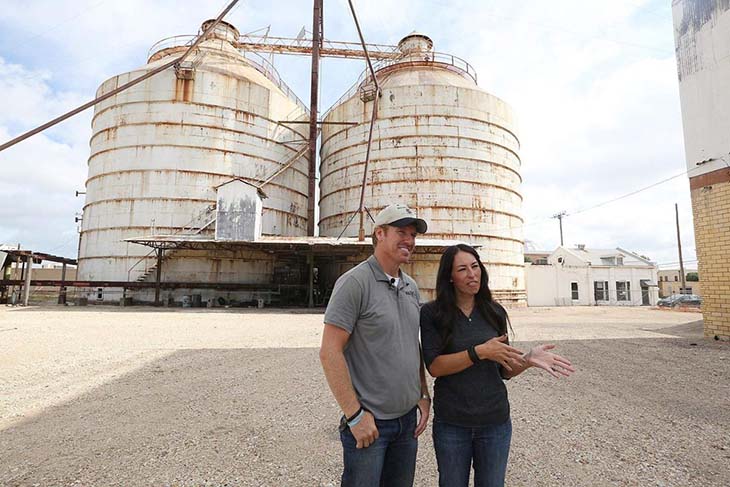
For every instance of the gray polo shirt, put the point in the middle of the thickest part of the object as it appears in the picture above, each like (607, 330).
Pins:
(382, 354)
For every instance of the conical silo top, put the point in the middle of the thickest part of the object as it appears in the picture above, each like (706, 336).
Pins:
(223, 30)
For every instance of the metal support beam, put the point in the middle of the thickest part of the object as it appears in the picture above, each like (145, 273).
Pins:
(62, 292)
(303, 47)
(313, 113)
(310, 265)
(373, 116)
(158, 277)
(22, 279)
(26, 286)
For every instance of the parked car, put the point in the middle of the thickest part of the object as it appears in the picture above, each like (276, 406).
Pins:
(680, 300)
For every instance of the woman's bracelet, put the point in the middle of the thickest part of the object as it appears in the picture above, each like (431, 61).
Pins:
(473, 355)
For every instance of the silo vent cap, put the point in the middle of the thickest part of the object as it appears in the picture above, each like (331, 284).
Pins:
(223, 30)
(415, 42)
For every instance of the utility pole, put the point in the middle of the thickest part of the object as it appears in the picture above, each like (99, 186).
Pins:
(679, 246)
(560, 216)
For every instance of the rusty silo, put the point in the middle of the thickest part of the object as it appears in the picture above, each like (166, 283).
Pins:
(441, 145)
(160, 148)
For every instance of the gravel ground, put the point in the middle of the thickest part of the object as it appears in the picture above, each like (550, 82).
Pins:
(117, 397)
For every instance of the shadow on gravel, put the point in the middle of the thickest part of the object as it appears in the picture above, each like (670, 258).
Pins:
(638, 412)
(693, 329)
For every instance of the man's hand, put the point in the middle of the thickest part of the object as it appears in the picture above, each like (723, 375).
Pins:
(424, 407)
(365, 432)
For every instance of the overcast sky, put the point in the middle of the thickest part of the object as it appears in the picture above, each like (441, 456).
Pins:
(593, 84)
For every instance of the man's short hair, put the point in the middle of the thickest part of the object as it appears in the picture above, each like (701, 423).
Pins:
(375, 237)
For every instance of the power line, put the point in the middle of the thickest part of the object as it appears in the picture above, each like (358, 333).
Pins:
(677, 262)
(46, 30)
(632, 193)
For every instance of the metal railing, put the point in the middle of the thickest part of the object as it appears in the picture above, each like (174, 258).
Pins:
(257, 61)
(456, 62)
(262, 65)
(168, 42)
(196, 225)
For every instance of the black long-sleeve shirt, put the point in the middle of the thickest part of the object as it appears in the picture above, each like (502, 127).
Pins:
(476, 396)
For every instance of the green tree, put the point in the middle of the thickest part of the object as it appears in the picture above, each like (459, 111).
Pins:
(693, 276)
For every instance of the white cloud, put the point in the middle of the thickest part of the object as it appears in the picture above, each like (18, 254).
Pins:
(40, 175)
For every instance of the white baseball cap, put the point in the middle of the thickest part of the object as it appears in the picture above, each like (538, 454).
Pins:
(399, 215)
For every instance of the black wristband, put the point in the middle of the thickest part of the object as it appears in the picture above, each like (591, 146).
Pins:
(473, 355)
(354, 415)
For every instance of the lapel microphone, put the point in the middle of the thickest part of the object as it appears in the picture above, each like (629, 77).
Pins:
(392, 282)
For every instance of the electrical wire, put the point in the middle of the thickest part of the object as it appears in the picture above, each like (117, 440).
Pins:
(46, 30)
(632, 193)
(73, 239)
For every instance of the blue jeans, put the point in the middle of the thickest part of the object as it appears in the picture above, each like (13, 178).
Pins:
(389, 462)
(456, 447)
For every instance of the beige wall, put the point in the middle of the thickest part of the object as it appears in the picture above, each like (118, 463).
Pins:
(44, 274)
(670, 283)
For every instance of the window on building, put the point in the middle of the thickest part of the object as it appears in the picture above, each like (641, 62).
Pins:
(623, 291)
(600, 290)
(676, 278)
(608, 260)
(574, 291)
(685, 290)
(620, 260)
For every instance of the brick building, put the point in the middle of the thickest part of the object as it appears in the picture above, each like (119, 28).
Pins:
(702, 41)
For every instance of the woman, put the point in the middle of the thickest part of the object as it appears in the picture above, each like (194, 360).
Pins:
(465, 346)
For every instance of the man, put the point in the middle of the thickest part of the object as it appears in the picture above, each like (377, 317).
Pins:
(372, 360)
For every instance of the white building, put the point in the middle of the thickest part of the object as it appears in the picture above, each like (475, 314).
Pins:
(591, 277)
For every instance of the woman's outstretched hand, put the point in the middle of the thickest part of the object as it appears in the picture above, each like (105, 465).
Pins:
(498, 351)
(554, 364)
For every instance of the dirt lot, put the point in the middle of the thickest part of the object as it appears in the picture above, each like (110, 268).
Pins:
(120, 396)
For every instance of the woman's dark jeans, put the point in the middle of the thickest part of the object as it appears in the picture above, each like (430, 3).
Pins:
(457, 446)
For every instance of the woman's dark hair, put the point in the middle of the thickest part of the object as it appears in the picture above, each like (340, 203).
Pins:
(447, 311)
